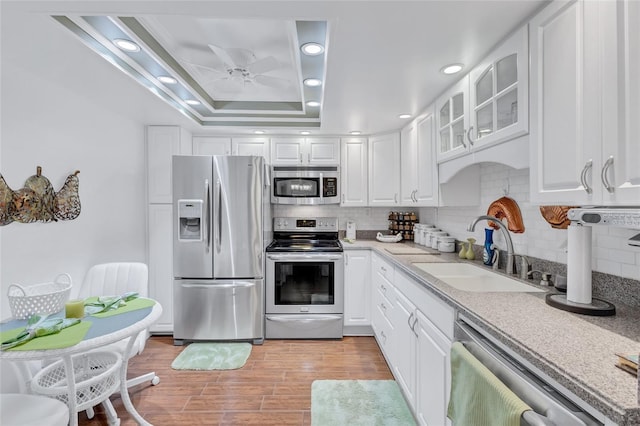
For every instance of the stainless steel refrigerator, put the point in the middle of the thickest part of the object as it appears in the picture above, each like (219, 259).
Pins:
(218, 291)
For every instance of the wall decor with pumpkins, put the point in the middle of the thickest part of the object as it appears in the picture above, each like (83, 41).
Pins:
(38, 202)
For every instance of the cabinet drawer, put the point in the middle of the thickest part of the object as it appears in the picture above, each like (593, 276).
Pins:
(436, 310)
(384, 305)
(382, 267)
(383, 331)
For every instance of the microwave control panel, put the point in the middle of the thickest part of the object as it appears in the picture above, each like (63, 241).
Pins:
(330, 187)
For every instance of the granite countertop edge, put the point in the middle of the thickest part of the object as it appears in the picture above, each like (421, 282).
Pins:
(529, 337)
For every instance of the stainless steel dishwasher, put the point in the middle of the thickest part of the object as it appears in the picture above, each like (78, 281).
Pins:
(549, 407)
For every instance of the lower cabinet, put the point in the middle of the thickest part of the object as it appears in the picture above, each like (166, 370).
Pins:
(357, 292)
(420, 331)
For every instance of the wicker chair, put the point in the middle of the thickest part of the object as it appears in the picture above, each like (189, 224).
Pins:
(116, 279)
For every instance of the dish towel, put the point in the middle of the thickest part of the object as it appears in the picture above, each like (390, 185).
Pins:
(478, 397)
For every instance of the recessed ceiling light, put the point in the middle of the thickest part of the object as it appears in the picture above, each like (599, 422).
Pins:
(451, 69)
(312, 49)
(126, 45)
(312, 82)
(305, 132)
(259, 132)
(313, 104)
(167, 80)
(404, 116)
(355, 132)
(192, 102)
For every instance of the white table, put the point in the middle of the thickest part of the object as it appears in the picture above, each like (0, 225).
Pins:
(96, 339)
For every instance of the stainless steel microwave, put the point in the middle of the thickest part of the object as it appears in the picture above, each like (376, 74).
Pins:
(305, 185)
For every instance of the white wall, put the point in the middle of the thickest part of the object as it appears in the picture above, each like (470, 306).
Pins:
(611, 253)
(55, 114)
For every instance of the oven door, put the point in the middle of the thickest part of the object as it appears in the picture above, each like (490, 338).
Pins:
(299, 283)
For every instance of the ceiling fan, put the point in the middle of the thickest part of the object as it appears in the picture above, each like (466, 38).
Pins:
(242, 69)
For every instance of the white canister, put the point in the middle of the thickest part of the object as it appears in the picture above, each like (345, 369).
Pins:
(435, 236)
(426, 228)
(417, 233)
(447, 244)
(429, 235)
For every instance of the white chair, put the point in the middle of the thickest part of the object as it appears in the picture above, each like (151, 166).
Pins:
(18, 408)
(114, 279)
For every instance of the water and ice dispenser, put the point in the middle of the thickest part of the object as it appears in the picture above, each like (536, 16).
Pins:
(190, 220)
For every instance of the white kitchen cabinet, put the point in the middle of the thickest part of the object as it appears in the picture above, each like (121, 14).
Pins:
(405, 337)
(258, 146)
(433, 372)
(160, 246)
(452, 120)
(357, 290)
(382, 274)
(499, 93)
(305, 151)
(211, 145)
(419, 172)
(584, 103)
(353, 172)
(162, 143)
(384, 170)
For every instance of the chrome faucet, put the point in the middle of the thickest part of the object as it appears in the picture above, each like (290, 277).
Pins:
(507, 238)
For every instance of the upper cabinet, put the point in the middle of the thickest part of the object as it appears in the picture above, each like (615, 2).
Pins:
(384, 170)
(499, 93)
(419, 177)
(162, 143)
(353, 173)
(487, 106)
(211, 145)
(305, 151)
(258, 146)
(452, 112)
(584, 103)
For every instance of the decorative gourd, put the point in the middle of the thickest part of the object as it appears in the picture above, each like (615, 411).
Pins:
(6, 203)
(67, 200)
(41, 186)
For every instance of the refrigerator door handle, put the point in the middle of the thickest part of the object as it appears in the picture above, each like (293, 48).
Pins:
(219, 217)
(207, 215)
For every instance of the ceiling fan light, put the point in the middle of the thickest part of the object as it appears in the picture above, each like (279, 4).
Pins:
(451, 69)
(312, 49)
(126, 45)
(312, 82)
(313, 104)
(167, 80)
(192, 102)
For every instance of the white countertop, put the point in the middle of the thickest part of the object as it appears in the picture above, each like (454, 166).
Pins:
(577, 351)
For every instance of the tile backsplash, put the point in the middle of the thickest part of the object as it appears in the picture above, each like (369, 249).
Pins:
(611, 252)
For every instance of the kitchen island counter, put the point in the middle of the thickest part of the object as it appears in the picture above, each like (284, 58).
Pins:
(577, 351)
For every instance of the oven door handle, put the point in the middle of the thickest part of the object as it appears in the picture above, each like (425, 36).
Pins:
(317, 256)
(316, 317)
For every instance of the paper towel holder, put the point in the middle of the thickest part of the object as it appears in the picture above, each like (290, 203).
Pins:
(578, 297)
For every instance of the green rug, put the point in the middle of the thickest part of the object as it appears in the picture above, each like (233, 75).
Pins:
(212, 356)
(358, 402)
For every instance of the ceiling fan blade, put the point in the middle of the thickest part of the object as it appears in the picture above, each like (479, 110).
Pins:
(228, 85)
(263, 65)
(277, 83)
(215, 70)
(223, 55)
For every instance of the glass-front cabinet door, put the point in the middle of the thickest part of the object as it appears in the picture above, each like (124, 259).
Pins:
(452, 110)
(499, 93)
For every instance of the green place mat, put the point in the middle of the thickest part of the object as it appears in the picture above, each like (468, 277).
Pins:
(358, 402)
(212, 356)
(132, 305)
(66, 337)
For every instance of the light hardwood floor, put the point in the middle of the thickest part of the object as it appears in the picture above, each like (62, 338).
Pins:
(273, 388)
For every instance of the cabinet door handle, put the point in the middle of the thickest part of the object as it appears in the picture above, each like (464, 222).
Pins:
(583, 176)
(469, 135)
(395, 198)
(342, 198)
(300, 158)
(603, 175)
(413, 326)
(409, 320)
(309, 158)
(346, 260)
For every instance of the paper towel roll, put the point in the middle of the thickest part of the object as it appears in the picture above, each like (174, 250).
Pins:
(579, 264)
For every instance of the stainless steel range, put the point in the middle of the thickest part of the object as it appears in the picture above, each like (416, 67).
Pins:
(304, 279)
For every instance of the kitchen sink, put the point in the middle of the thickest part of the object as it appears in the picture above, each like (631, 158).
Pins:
(466, 277)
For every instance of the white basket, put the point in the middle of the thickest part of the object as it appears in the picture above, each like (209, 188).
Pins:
(389, 238)
(45, 298)
(97, 376)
